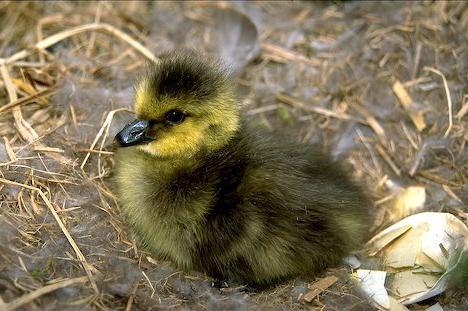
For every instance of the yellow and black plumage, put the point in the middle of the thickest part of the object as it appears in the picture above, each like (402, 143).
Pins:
(206, 191)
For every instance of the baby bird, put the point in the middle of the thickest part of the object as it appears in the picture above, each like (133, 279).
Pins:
(207, 192)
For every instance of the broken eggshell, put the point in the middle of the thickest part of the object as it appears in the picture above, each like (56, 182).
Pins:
(372, 283)
(419, 253)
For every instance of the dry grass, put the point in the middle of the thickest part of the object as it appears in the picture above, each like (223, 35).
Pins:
(381, 85)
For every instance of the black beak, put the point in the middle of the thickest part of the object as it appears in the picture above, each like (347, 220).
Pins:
(133, 133)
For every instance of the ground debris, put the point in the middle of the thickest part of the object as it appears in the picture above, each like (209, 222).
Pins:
(383, 85)
(318, 287)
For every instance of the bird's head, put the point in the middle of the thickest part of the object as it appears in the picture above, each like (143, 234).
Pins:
(184, 104)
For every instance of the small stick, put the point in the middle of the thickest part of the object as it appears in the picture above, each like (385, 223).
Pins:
(329, 113)
(20, 123)
(262, 109)
(92, 40)
(464, 109)
(318, 287)
(284, 53)
(387, 159)
(447, 93)
(45, 43)
(9, 150)
(408, 136)
(406, 101)
(417, 59)
(149, 282)
(106, 123)
(372, 123)
(95, 151)
(27, 99)
(451, 193)
(27, 298)
(369, 149)
(132, 297)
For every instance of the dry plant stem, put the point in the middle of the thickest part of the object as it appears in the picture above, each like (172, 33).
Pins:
(369, 149)
(150, 284)
(132, 297)
(372, 122)
(406, 101)
(43, 44)
(283, 53)
(44, 21)
(92, 39)
(39, 292)
(23, 127)
(464, 109)
(318, 287)
(389, 160)
(329, 113)
(105, 125)
(449, 100)
(27, 99)
(103, 140)
(70, 239)
(9, 150)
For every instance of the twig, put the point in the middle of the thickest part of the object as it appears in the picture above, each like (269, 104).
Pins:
(389, 160)
(283, 53)
(295, 102)
(447, 93)
(372, 123)
(318, 287)
(95, 151)
(9, 150)
(105, 125)
(267, 108)
(406, 101)
(417, 59)
(43, 44)
(408, 136)
(149, 282)
(132, 297)
(92, 40)
(369, 149)
(27, 99)
(70, 239)
(23, 127)
(464, 109)
(40, 292)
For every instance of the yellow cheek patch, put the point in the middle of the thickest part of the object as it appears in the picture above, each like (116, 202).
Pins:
(181, 141)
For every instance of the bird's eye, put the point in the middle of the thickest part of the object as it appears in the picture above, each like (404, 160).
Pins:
(174, 117)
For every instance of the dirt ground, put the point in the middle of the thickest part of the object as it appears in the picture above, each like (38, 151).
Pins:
(381, 86)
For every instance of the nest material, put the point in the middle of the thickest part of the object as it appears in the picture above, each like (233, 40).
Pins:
(381, 85)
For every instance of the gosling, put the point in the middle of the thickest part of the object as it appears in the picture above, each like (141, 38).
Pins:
(209, 193)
